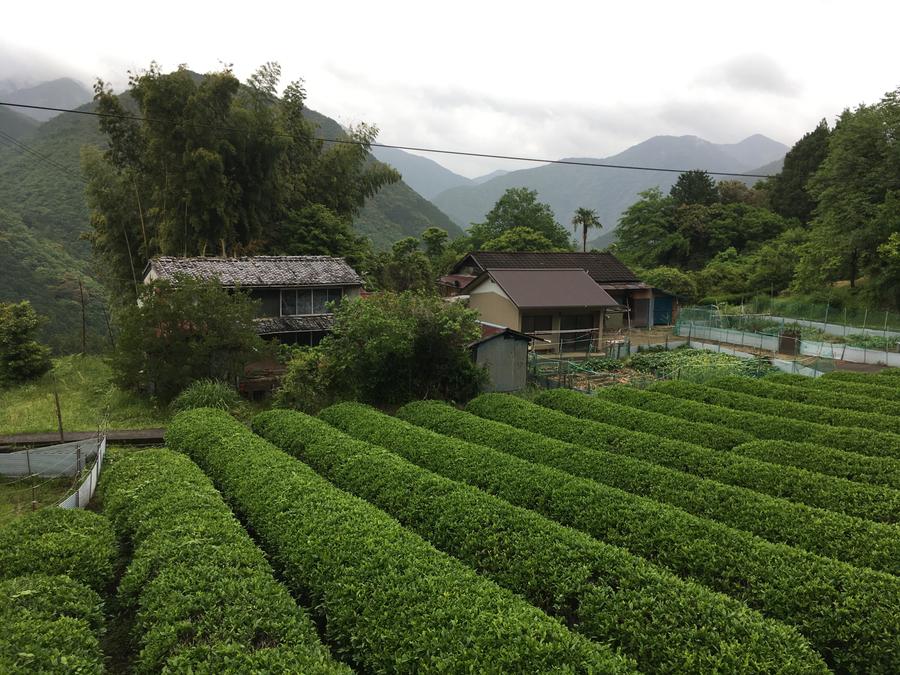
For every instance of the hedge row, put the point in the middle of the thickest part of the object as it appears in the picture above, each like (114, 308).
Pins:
(603, 592)
(391, 602)
(884, 388)
(872, 379)
(789, 406)
(847, 613)
(53, 541)
(50, 624)
(831, 385)
(761, 425)
(817, 395)
(882, 471)
(798, 485)
(194, 565)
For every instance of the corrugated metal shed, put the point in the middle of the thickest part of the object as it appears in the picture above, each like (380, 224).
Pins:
(259, 271)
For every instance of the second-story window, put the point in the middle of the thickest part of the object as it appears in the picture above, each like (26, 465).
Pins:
(300, 301)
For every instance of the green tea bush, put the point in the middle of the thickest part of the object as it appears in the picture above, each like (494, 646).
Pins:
(759, 424)
(847, 613)
(778, 407)
(862, 399)
(883, 471)
(51, 624)
(798, 485)
(77, 543)
(605, 593)
(207, 393)
(390, 601)
(832, 385)
(196, 582)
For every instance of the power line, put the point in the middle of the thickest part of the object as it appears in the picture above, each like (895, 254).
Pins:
(411, 148)
(14, 143)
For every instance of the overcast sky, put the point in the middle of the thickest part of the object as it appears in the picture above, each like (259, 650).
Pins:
(547, 79)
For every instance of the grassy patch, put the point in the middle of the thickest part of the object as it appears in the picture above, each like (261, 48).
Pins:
(16, 495)
(87, 396)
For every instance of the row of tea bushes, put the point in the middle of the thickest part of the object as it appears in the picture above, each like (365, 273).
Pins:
(390, 602)
(605, 593)
(861, 399)
(872, 397)
(53, 562)
(847, 613)
(193, 565)
(798, 485)
(786, 407)
(761, 425)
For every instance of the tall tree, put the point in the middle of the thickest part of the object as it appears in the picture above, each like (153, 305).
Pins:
(694, 187)
(789, 196)
(585, 219)
(519, 207)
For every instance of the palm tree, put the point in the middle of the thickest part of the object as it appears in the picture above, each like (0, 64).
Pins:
(585, 219)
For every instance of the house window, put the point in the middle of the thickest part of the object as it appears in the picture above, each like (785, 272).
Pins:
(301, 301)
(537, 323)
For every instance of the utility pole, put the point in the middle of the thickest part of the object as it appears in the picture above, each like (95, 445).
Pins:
(83, 319)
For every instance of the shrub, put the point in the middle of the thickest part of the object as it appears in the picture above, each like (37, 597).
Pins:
(77, 543)
(207, 393)
(22, 358)
(600, 590)
(696, 364)
(860, 398)
(798, 485)
(847, 613)
(194, 565)
(305, 384)
(390, 601)
(831, 385)
(883, 471)
(51, 624)
(761, 425)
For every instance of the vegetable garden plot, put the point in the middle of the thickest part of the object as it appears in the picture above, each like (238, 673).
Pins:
(193, 565)
(602, 591)
(797, 485)
(390, 601)
(847, 613)
(788, 405)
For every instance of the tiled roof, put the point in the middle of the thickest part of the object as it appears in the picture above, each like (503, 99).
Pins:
(293, 324)
(261, 270)
(548, 289)
(603, 267)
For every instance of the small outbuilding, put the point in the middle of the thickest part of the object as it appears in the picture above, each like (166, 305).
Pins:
(504, 353)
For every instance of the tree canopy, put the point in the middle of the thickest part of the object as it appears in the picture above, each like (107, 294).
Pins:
(519, 208)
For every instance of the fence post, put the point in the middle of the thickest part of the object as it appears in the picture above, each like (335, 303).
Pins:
(865, 321)
(62, 438)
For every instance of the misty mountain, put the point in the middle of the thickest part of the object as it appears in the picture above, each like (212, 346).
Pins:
(609, 191)
(423, 175)
(15, 124)
(486, 177)
(61, 93)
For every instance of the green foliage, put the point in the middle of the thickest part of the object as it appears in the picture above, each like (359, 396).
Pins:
(22, 358)
(672, 280)
(694, 187)
(305, 384)
(183, 331)
(51, 624)
(77, 543)
(390, 601)
(869, 384)
(789, 196)
(519, 207)
(809, 406)
(840, 496)
(207, 393)
(520, 239)
(586, 219)
(200, 589)
(838, 600)
(389, 348)
(853, 392)
(602, 591)
(695, 364)
(403, 268)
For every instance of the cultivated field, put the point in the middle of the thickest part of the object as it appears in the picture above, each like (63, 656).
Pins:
(741, 525)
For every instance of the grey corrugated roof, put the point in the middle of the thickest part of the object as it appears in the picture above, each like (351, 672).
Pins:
(261, 270)
(293, 324)
(548, 289)
(603, 267)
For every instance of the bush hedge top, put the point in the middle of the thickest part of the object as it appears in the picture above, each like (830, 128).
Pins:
(80, 544)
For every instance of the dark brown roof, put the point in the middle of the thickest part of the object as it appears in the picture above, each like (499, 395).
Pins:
(260, 270)
(547, 288)
(603, 267)
(293, 324)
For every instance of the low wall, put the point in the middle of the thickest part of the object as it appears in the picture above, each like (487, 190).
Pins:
(837, 328)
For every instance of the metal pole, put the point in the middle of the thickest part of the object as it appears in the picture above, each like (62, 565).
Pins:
(865, 321)
(885, 338)
(62, 438)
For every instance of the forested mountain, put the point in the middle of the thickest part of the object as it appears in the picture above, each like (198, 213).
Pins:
(14, 124)
(610, 191)
(423, 175)
(61, 93)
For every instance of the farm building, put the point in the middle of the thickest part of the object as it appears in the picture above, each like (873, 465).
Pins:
(644, 304)
(294, 291)
(504, 353)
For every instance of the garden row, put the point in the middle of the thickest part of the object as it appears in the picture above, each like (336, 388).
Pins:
(388, 600)
(594, 430)
(664, 623)
(200, 595)
(847, 613)
(54, 564)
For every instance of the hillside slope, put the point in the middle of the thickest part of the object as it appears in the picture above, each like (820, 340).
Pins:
(15, 124)
(423, 175)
